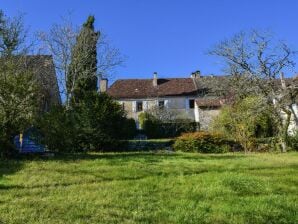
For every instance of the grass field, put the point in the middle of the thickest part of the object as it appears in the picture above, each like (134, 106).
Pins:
(151, 188)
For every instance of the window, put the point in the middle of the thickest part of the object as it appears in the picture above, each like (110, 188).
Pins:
(161, 104)
(139, 106)
(191, 104)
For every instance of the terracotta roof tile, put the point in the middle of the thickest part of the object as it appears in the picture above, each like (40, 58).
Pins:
(143, 88)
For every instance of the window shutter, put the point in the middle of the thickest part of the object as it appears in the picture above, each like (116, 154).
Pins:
(145, 104)
(166, 103)
(134, 106)
(187, 104)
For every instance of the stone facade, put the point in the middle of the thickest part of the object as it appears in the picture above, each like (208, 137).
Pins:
(178, 105)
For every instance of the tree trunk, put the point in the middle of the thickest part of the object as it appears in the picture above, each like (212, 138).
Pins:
(283, 145)
(284, 131)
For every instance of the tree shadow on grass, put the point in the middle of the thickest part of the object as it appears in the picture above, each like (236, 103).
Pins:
(148, 156)
(8, 167)
(122, 158)
(144, 174)
(99, 179)
(200, 156)
(126, 156)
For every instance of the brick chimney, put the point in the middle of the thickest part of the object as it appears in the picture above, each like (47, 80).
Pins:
(155, 79)
(103, 85)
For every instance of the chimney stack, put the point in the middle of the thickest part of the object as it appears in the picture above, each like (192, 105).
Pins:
(103, 85)
(155, 79)
(195, 74)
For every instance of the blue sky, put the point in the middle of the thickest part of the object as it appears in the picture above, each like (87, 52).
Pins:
(170, 37)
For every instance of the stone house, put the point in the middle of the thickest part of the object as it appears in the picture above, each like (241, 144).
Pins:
(196, 98)
(183, 96)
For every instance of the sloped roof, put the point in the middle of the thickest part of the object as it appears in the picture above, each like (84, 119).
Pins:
(143, 88)
(167, 87)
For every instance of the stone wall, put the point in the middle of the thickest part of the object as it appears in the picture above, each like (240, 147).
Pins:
(148, 145)
(178, 105)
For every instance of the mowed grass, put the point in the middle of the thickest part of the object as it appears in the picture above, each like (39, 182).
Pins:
(151, 188)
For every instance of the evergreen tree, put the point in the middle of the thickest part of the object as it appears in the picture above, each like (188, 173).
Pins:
(83, 66)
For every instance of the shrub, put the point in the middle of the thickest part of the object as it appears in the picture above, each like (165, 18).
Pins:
(129, 129)
(60, 129)
(203, 142)
(19, 102)
(246, 121)
(177, 127)
(96, 123)
(150, 125)
(153, 127)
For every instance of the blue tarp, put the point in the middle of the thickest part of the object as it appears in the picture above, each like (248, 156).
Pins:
(28, 145)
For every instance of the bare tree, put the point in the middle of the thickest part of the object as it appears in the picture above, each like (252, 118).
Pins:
(13, 35)
(256, 63)
(59, 42)
(108, 57)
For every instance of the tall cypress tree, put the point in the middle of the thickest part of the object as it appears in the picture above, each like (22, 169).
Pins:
(82, 69)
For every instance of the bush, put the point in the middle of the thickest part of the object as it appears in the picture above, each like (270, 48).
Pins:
(177, 127)
(129, 129)
(97, 123)
(241, 122)
(153, 127)
(60, 129)
(203, 142)
(19, 97)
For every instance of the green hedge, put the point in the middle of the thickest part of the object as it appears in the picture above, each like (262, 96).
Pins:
(157, 129)
(203, 142)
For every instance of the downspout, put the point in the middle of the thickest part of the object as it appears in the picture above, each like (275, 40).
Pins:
(196, 109)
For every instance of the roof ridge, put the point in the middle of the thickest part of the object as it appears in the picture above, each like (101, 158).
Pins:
(152, 78)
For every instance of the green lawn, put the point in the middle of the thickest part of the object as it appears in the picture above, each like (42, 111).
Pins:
(151, 188)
